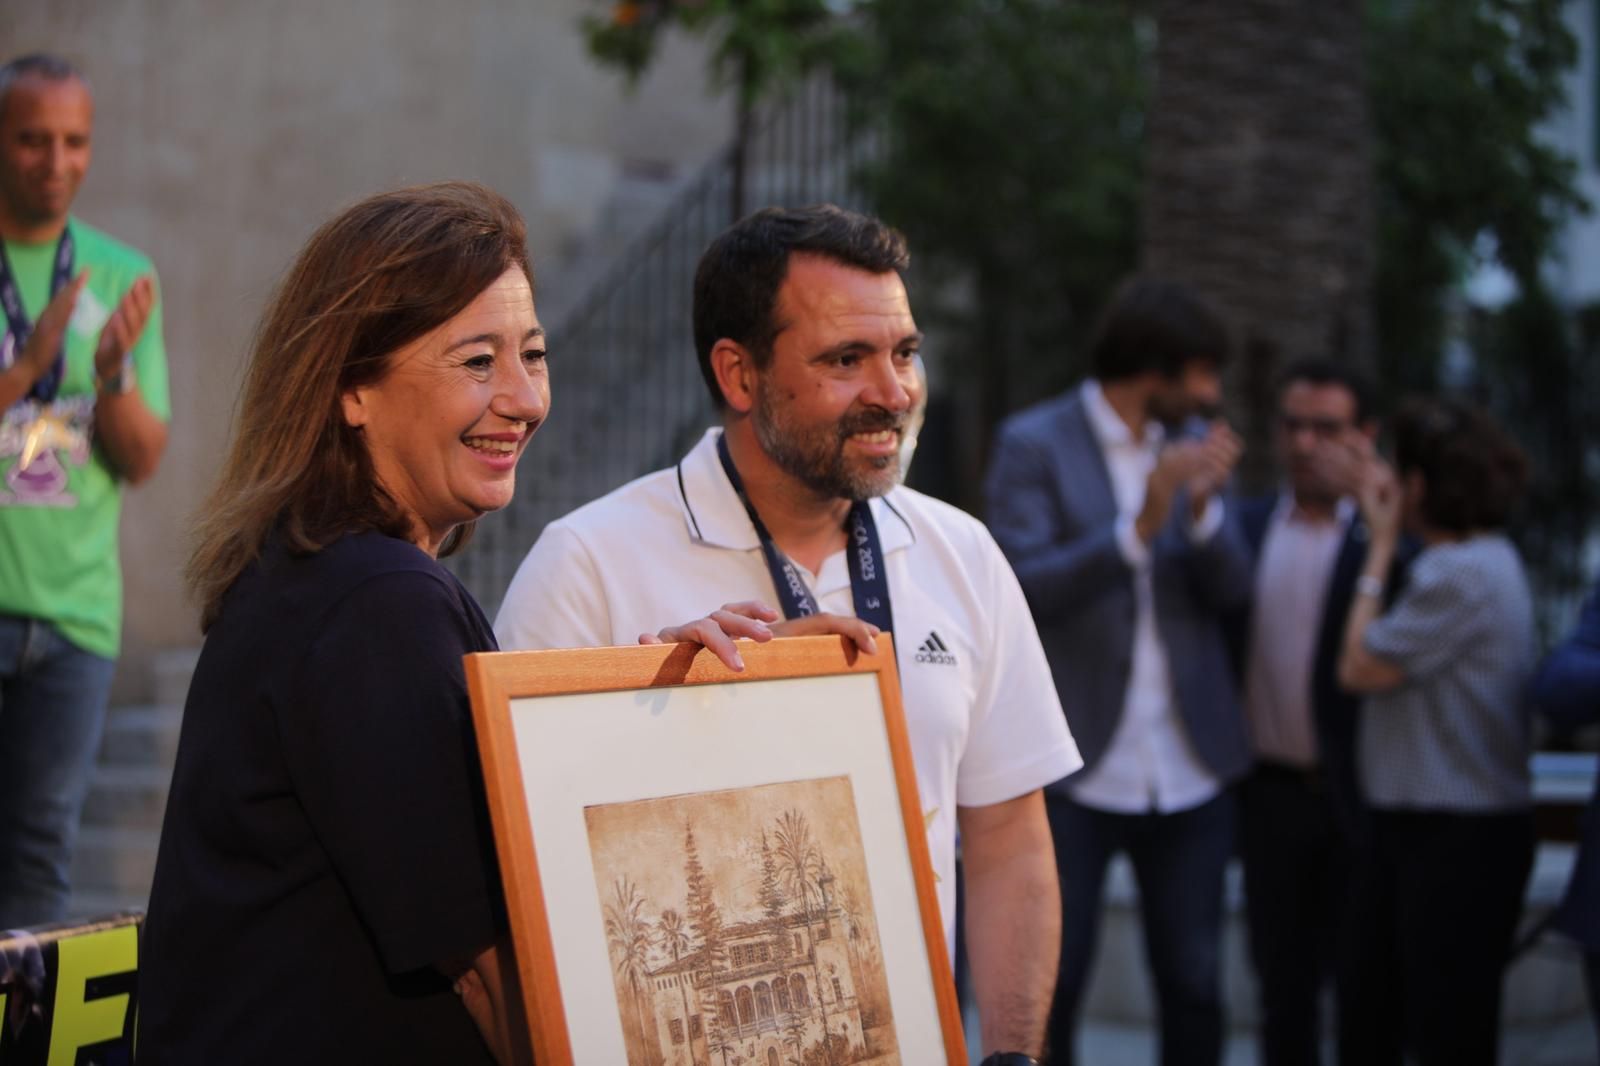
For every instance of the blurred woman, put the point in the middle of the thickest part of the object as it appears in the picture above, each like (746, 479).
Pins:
(1444, 738)
(326, 887)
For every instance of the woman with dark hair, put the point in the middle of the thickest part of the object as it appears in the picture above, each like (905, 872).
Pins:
(1444, 738)
(326, 887)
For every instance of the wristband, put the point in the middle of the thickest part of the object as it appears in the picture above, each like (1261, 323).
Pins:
(1009, 1058)
(1368, 585)
(118, 383)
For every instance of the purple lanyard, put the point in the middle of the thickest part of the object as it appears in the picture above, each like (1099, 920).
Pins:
(44, 390)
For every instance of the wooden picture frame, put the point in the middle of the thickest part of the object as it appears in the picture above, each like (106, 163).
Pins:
(702, 866)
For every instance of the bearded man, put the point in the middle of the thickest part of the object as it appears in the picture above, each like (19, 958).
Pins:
(805, 338)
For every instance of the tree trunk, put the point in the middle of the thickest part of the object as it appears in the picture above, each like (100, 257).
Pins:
(1258, 187)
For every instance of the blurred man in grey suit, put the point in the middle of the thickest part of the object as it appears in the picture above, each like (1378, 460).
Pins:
(1107, 500)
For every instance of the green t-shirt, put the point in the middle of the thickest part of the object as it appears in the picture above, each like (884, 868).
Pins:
(58, 518)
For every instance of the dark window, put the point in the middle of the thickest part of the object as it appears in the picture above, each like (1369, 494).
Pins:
(694, 1027)
(797, 989)
(763, 1001)
(838, 990)
(780, 989)
(725, 1008)
(747, 1005)
(675, 1027)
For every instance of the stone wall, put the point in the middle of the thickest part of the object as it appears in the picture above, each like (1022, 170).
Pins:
(226, 131)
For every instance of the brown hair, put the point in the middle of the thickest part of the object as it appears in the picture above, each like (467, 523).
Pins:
(1473, 474)
(1155, 324)
(737, 280)
(383, 273)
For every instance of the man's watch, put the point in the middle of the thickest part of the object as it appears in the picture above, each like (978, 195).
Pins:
(1009, 1058)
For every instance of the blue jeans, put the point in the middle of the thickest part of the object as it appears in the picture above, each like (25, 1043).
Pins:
(52, 707)
(1178, 861)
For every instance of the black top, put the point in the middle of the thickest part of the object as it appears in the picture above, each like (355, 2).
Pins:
(326, 844)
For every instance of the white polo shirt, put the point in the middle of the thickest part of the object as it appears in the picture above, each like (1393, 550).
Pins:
(981, 708)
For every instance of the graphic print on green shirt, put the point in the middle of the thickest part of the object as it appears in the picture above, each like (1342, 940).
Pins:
(58, 517)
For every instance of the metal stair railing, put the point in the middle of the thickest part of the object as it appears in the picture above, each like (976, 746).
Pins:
(627, 396)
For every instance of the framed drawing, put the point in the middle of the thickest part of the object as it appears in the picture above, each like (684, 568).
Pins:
(709, 868)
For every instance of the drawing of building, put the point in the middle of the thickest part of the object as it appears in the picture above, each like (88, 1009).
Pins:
(775, 988)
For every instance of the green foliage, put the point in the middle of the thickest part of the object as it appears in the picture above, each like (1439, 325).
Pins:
(1012, 134)
(758, 46)
(1012, 138)
(1538, 371)
(1457, 93)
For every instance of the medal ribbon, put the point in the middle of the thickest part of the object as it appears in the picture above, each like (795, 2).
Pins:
(44, 390)
(869, 579)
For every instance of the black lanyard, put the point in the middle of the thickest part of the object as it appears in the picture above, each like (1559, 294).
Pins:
(869, 579)
(44, 390)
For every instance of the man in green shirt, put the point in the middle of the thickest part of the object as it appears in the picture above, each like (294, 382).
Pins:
(83, 388)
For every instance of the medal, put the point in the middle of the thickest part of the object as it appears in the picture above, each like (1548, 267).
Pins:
(48, 431)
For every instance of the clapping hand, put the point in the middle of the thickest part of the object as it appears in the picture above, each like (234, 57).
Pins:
(1201, 466)
(39, 354)
(1216, 454)
(122, 329)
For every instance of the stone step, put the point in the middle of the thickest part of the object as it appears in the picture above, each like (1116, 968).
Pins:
(119, 862)
(98, 903)
(170, 673)
(127, 797)
(141, 736)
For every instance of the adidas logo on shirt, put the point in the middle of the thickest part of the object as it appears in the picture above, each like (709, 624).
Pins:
(933, 650)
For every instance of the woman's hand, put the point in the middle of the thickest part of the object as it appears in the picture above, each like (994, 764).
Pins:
(754, 620)
(1378, 492)
(1352, 465)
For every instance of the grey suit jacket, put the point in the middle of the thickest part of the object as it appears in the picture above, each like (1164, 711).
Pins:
(1051, 507)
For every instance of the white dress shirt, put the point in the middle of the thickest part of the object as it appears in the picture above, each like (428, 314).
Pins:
(1150, 764)
(1291, 589)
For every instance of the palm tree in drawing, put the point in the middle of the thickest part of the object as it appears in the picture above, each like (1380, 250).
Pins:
(800, 864)
(798, 859)
(855, 917)
(672, 933)
(718, 1040)
(794, 1034)
(628, 934)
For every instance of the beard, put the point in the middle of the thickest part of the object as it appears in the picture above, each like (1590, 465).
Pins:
(814, 454)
